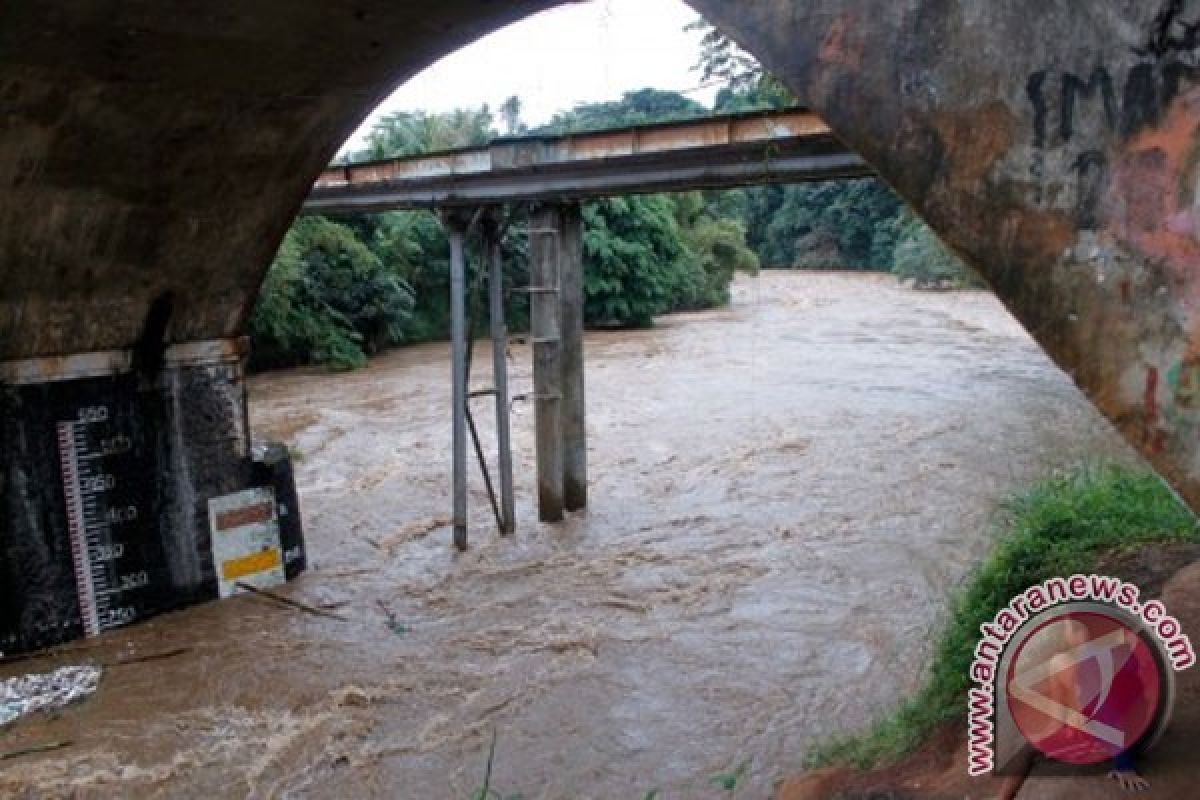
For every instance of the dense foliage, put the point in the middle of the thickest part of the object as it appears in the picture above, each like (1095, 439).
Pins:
(652, 255)
(641, 107)
(635, 257)
(341, 289)
(857, 224)
(327, 299)
(410, 133)
(844, 224)
(921, 258)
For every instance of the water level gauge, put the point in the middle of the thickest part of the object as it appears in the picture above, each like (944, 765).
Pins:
(108, 508)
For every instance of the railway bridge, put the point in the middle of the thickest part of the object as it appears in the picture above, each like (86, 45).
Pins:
(552, 174)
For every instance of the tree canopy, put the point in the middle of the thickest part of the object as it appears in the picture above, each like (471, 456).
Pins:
(409, 133)
(640, 107)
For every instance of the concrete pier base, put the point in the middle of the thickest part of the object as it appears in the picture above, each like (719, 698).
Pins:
(106, 470)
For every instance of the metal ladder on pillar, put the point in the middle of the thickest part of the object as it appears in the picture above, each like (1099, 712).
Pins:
(546, 340)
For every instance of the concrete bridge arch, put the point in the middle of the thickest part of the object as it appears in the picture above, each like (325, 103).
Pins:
(153, 154)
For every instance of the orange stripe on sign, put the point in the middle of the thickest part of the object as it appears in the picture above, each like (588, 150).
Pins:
(249, 565)
(245, 516)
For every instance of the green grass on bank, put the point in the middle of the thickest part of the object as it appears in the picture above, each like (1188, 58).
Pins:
(1059, 527)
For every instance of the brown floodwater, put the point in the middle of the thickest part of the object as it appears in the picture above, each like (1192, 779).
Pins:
(783, 494)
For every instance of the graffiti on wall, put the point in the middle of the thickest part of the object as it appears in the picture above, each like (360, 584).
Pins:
(1082, 118)
(1116, 145)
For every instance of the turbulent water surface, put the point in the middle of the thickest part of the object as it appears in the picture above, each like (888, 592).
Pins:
(783, 493)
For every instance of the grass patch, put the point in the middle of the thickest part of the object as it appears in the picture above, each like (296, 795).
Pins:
(1059, 527)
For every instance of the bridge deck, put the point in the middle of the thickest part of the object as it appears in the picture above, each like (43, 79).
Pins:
(718, 152)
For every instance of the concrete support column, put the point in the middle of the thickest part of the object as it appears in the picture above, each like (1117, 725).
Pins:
(204, 444)
(544, 255)
(574, 428)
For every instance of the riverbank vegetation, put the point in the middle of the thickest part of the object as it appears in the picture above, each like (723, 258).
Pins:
(1068, 524)
(343, 288)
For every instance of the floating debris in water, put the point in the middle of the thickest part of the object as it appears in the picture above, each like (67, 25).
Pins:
(26, 694)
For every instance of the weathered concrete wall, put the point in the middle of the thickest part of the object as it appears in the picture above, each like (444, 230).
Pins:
(151, 157)
(161, 149)
(156, 448)
(152, 154)
(1055, 144)
(107, 470)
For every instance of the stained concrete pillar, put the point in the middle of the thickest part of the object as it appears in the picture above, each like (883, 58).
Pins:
(545, 246)
(107, 464)
(205, 449)
(571, 297)
(556, 278)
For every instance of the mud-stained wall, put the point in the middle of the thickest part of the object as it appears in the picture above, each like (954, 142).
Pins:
(152, 150)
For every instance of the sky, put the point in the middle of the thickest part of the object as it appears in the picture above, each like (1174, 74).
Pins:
(578, 53)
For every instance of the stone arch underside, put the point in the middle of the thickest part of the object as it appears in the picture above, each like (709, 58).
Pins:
(153, 154)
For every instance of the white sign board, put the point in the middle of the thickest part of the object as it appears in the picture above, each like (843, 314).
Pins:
(245, 540)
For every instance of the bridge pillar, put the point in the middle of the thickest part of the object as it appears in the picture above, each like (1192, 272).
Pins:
(107, 465)
(574, 419)
(545, 263)
(556, 275)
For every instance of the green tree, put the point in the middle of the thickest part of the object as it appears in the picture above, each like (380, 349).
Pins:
(715, 249)
(407, 133)
(641, 107)
(510, 111)
(922, 258)
(414, 246)
(836, 224)
(721, 60)
(327, 299)
(746, 86)
(636, 260)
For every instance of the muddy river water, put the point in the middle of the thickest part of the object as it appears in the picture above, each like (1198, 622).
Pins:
(783, 493)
